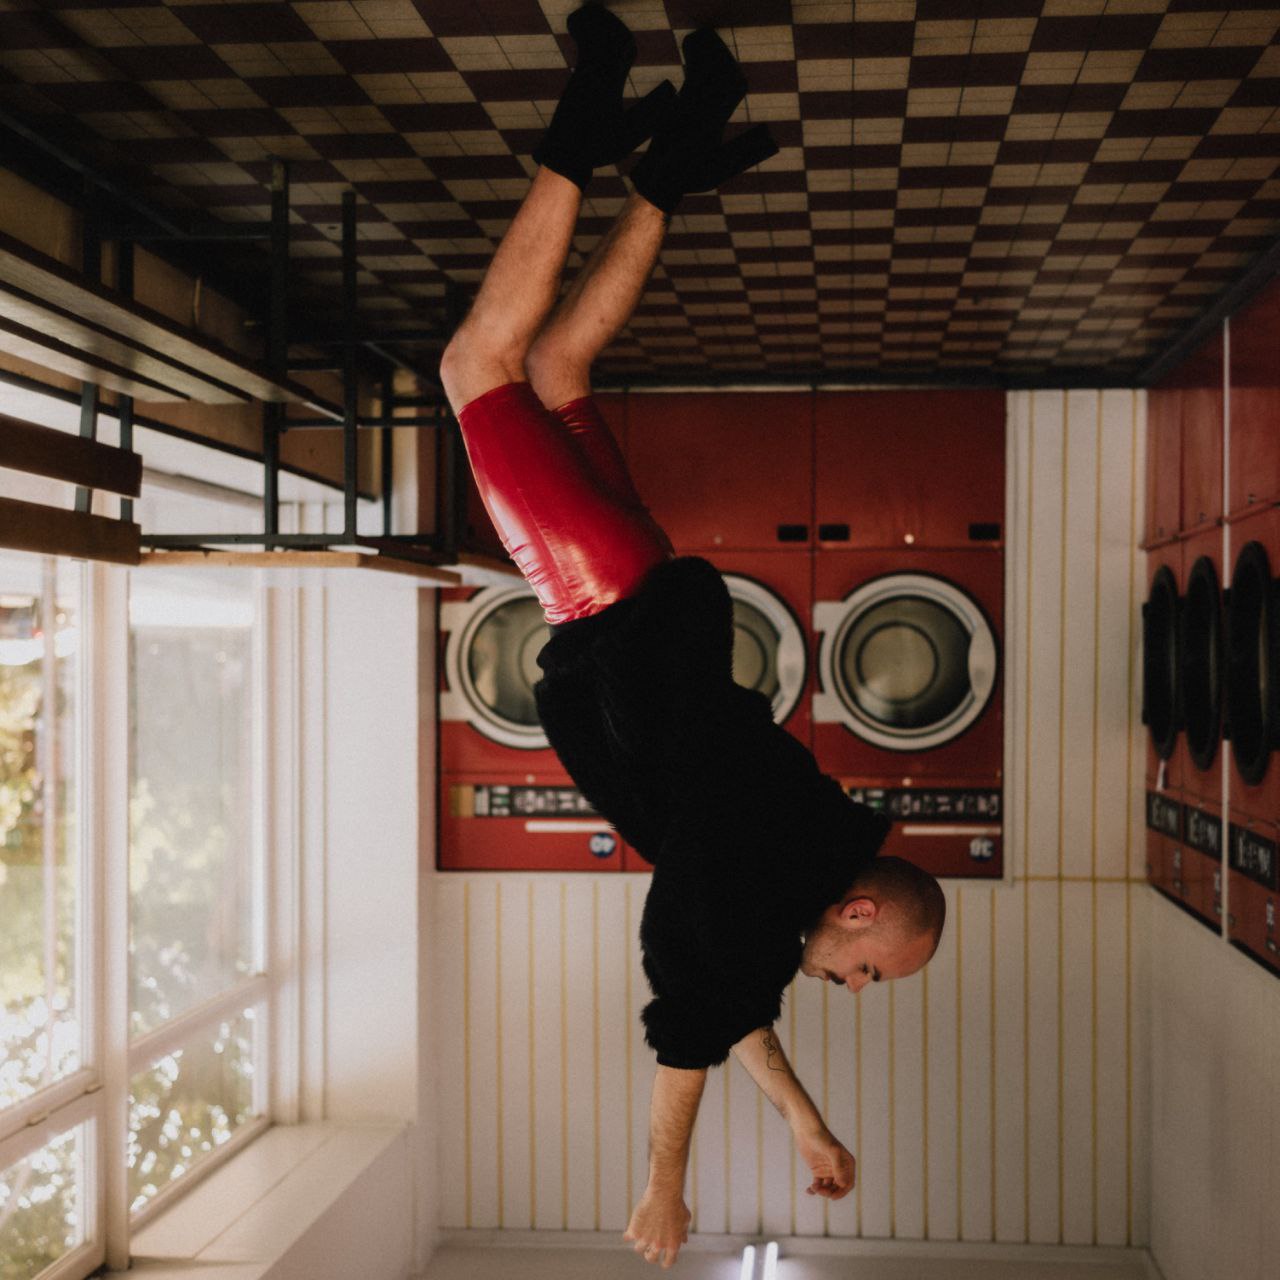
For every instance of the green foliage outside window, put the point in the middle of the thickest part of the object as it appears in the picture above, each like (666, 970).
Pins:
(189, 906)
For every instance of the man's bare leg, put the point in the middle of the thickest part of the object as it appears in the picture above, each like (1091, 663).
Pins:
(599, 302)
(518, 291)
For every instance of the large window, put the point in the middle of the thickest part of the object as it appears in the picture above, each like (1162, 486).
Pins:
(132, 903)
(195, 904)
(42, 906)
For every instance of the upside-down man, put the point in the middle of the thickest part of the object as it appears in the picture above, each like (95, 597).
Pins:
(762, 865)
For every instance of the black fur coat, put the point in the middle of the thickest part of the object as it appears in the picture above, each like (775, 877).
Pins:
(749, 840)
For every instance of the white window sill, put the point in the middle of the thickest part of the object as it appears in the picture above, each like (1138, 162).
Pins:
(326, 1201)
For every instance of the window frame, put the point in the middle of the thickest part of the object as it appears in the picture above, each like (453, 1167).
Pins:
(97, 1095)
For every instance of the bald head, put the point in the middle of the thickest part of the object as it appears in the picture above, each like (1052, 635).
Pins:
(915, 896)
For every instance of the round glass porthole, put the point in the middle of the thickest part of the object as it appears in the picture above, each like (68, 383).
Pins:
(768, 644)
(1160, 673)
(1201, 658)
(911, 661)
(491, 661)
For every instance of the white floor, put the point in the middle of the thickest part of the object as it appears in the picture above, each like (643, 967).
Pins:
(837, 1260)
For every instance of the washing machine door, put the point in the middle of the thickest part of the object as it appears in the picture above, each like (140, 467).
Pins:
(909, 661)
(1253, 662)
(769, 651)
(491, 664)
(1201, 659)
(495, 636)
(1160, 675)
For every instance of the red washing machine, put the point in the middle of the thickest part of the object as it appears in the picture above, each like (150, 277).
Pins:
(908, 612)
(1253, 715)
(1161, 713)
(505, 802)
(1202, 679)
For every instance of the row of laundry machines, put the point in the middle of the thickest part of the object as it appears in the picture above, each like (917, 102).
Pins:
(861, 539)
(1211, 624)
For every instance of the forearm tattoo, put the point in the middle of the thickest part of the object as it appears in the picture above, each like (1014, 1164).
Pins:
(773, 1050)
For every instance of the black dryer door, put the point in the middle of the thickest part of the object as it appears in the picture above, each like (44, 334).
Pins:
(1201, 659)
(1160, 682)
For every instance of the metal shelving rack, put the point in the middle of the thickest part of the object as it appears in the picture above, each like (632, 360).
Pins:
(441, 556)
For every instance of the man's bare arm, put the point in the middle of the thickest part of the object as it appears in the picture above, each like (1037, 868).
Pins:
(767, 1065)
(832, 1166)
(660, 1223)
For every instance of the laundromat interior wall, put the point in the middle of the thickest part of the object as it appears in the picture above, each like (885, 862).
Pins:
(1002, 1093)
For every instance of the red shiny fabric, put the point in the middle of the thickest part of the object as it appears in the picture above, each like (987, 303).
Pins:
(558, 492)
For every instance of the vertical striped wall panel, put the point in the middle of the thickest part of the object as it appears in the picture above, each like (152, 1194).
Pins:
(999, 1094)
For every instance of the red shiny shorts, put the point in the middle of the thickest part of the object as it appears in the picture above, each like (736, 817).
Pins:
(558, 492)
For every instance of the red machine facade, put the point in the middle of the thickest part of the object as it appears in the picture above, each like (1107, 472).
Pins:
(1214, 726)
(1253, 700)
(1201, 648)
(894, 589)
(1161, 713)
(908, 617)
(1183, 634)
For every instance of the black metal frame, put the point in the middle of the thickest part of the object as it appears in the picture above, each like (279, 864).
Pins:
(422, 548)
(113, 212)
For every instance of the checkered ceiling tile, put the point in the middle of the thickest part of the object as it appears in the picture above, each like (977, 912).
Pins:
(1018, 185)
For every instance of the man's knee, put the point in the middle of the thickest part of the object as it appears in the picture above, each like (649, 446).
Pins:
(474, 363)
(558, 371)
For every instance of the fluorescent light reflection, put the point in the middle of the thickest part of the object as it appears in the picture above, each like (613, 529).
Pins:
(748, 1263)
(771, 1260)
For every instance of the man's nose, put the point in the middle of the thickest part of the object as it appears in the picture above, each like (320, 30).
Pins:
(855, 982)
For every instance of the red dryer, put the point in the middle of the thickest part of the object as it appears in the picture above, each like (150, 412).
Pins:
(1161, 712)
(1253, 713)
(908, 614)
(1202, 668)
(1201, 655)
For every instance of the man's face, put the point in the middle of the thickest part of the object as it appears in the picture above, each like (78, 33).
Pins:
(862, 941)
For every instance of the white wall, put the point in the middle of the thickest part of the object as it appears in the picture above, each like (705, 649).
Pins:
(364, 910)
(998, 1095)
(1215, 1117)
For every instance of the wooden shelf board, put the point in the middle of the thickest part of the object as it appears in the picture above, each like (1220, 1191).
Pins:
(62, 330)
(476, 567)
(292, 560)
(53, 531)
(43, 451)
(32, 277)
(81, 362)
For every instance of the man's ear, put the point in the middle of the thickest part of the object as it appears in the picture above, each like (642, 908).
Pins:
(857, 912)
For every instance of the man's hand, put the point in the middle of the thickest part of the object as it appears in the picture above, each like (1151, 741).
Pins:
(832, 1166)
(659, 1226)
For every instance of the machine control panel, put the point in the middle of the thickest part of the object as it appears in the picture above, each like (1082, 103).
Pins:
(923, 804)
(1203, 831)
(502, 800)
(1164, 815)
(1254, 856)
